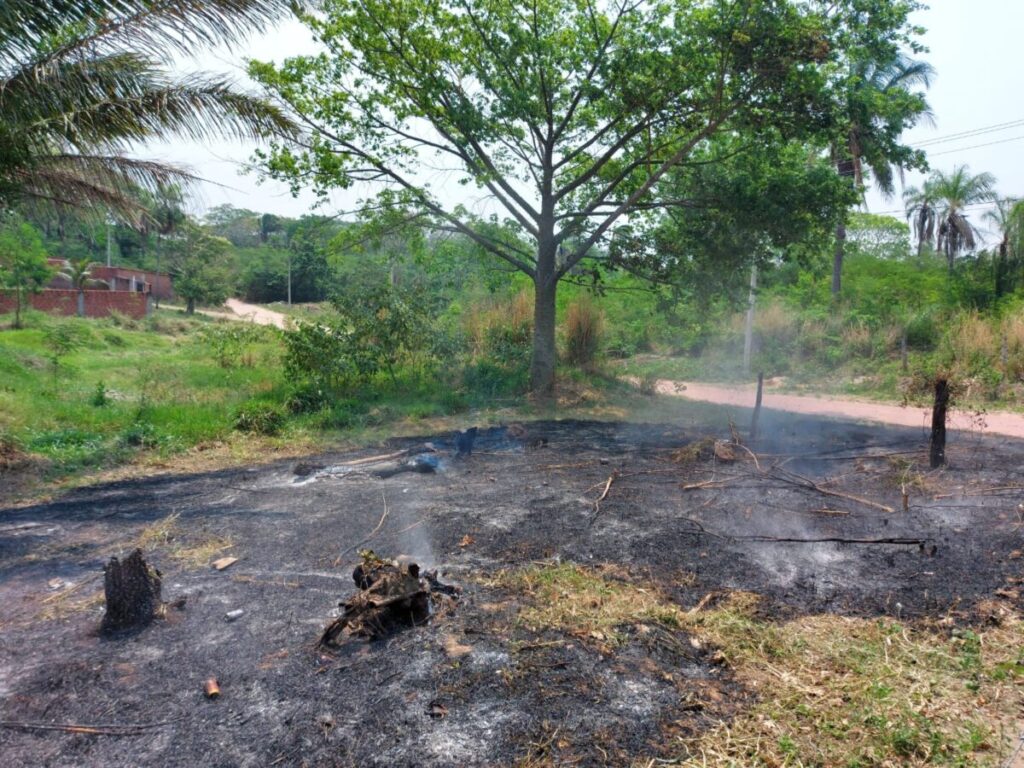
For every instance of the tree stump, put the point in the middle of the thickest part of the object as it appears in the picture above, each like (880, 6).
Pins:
(132, 590)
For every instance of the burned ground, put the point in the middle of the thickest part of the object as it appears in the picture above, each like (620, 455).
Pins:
(482, 685)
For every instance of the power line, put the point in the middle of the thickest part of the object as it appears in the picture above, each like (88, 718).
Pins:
(969, 133)
(975, 146)
(971, 207)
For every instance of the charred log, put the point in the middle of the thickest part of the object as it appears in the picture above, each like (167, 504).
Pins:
(132, 590)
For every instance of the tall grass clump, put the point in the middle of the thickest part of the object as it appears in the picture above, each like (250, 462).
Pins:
(501, 331)
(584, 330)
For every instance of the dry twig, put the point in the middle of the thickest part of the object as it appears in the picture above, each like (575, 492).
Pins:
(372, 533)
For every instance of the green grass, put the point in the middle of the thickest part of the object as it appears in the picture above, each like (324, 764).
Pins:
(151, 392)
(162, 390)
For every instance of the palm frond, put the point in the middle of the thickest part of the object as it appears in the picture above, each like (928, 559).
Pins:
(108, 183)
(152, 27)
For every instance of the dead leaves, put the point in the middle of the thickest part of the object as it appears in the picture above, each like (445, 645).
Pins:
(454, 648)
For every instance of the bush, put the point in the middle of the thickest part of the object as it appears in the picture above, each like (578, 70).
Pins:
(488, 378)
(306, 398)
(140, 434)
(100, 397)
(259, 418)
(584, 327)
(231, 344)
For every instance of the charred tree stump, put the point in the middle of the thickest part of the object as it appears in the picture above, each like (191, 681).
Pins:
(938, 445)
(132, 590)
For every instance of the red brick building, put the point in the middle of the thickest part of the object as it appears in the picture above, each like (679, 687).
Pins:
(131, 292)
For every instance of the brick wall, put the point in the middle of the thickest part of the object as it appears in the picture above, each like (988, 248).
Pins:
(97, 303)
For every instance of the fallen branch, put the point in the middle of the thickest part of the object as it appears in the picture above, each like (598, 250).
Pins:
(603, 496)
(833, 540)
(752, 455)
(372, 533)
(981, 491)
(806, 482)
(607, 487)
(124, 729)
(374, 459)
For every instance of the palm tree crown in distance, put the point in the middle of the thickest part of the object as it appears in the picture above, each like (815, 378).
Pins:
(946, 196)
(85, 82)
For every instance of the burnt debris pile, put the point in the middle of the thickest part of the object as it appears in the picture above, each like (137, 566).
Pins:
(392, 595)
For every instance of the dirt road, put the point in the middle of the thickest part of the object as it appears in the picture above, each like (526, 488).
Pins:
(995, 422)
(257, 314)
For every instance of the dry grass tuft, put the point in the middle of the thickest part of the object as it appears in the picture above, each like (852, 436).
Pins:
(585, 602)
(484, 320)
(832, 690)
(190, 550)
(584, 327)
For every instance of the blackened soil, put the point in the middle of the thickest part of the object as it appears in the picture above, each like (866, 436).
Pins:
(697, 527)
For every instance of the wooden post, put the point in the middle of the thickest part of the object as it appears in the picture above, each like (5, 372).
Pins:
(748, 331)
(903, 351)
(938, 447)
(757, 406)
(132, 590)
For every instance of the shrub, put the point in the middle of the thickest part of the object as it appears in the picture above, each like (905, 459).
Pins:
(121, 320)
(139, 434)
(306, 398)
(231, 344)
(584, 327)
(923, 331)
(100, 397)
(259, 418)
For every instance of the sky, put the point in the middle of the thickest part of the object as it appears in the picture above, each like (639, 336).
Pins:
(979, 117)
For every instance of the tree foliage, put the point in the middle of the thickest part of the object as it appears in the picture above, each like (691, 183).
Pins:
(23, 265)
(567, 114)
(200, 265)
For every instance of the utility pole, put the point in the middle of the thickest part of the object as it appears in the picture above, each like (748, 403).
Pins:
(748, 334)
(289, 277)
(109, 243)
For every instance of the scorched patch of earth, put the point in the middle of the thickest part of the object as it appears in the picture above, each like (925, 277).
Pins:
(607, 574)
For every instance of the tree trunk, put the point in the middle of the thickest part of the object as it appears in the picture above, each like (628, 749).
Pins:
(837, 260)
(18, 298)
(81, 303)
(132, 590)
(190, 307)
(748, 330)
(542, 368)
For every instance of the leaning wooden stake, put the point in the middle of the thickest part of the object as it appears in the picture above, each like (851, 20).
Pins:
(938, 447)
(757, 406)
(132, 590)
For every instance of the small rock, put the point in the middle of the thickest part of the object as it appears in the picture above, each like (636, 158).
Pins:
(235, 614)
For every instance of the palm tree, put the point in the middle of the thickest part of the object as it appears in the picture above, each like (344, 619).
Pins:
(954, 192)
(82, 84)
(1008, 219)
(78, 272)
(922, 212)
(880, 104)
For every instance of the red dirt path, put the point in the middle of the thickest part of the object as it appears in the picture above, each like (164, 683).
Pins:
(996, 422)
